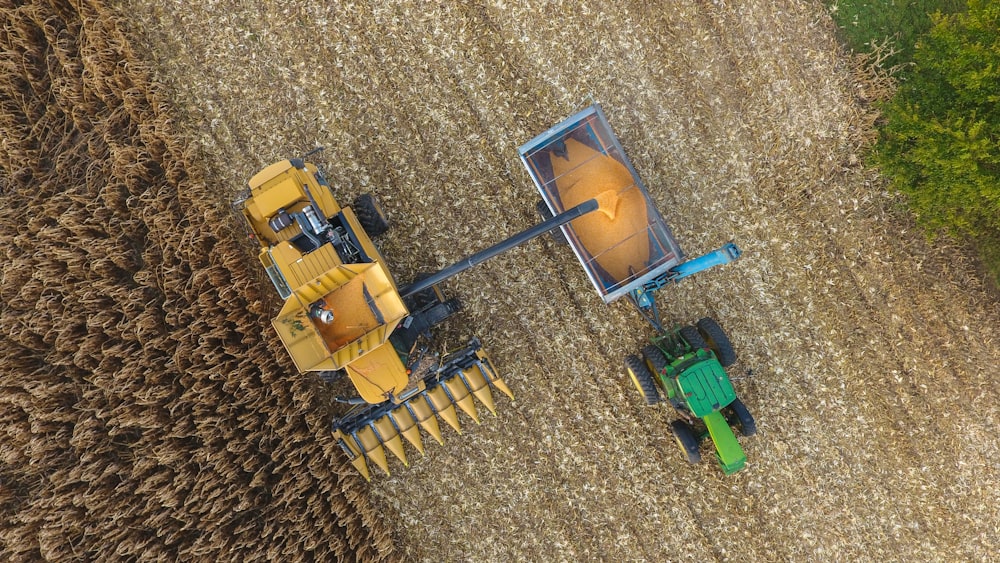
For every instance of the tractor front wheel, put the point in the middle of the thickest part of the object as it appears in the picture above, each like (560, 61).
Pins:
(655, 359)
(687, 440)
(642, 379)
(718, 340)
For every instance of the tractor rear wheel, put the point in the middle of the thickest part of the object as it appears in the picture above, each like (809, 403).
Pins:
(718, 341)
(370, 215)
(694, 338)
(748, 426)
(655, 359)
(642, 379)
(687, 440)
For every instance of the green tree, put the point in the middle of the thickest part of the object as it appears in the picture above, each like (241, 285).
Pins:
(940, 142)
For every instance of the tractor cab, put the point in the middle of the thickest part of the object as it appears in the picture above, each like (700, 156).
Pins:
(701, 388)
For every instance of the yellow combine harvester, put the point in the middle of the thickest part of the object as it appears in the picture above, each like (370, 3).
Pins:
(344, 317)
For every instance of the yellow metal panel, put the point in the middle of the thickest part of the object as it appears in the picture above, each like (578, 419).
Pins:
(280, 186)
(322, 194)
(366, 244)
(280, 196)
(268, 173)
(424, 415)
(283, 255)
(378, 373)
(303, 272)
(300, 338)
(407, 424)
(352, 448)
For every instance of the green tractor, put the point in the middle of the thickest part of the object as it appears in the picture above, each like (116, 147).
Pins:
(686, 365)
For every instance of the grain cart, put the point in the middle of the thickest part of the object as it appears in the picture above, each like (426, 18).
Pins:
(628, 251)
(344, 318)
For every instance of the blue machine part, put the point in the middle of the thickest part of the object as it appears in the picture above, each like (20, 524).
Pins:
(723, 255)
(643, 296)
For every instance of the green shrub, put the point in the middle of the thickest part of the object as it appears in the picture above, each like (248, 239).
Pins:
(989, 250)
(940, 141)
(892, 28)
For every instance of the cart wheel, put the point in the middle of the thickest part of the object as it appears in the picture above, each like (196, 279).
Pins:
(718, 341)
(655, 359)
(748, 426)
(685, 437)
(370, 215)
(642, 379)
(557, 234)
(694, 338)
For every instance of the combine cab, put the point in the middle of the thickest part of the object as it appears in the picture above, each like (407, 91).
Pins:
(628, 251)
(344, 317)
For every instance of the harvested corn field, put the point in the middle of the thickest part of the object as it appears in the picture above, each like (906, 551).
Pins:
(150, 413)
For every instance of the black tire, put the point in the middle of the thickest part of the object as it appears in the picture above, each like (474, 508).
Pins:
(642, 379)
(748, 426)
(718, 341)
(370, 215)
(332, 376)
(423, 298)
(545, 213)
(441, 311)
(655, 359)
(694, 338)
(687, 440)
